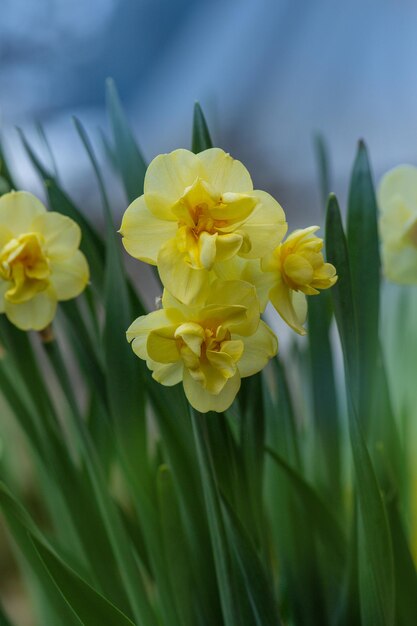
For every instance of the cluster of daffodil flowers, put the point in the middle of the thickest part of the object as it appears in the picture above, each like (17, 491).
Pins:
(218, 246)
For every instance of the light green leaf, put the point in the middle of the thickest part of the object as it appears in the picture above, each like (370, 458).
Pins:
(131, 163)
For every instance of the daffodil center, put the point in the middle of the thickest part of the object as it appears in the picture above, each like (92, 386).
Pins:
(24, 264)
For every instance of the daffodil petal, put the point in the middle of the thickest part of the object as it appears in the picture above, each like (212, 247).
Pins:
(282, 299)
(298, 269)
(259, 348)
(230, 316)
(229, 293)
(207, 249)
(5, 235)
(138, 331)
(161, 345)
(224, 173)
(265, 227)
(143, 233)
(70, 276)
(192, 335)
(177, 276)
(235, 208)
(166, 374)
(399, 265)
(62, 235)
(399, 185)
(34, 314)
(18, 209)
(204, 401)
(167, 176)
(222, 362)
(227, 246)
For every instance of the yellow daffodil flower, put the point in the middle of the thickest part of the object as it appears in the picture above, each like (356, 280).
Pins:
(398, 224)
(40, 262)
(209, 347)
(196, 212)
(297, 269)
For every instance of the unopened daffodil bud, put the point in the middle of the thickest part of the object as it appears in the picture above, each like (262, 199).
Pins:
(209, 347)
(196, 212)
(40, 261)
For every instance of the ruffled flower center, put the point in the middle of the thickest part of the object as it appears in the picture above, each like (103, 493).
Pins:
(208, 221)
(209, 353)
(24, 264)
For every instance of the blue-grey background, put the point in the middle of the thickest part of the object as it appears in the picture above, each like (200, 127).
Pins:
(269, 73)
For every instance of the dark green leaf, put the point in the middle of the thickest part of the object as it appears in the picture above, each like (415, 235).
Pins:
(201, 136)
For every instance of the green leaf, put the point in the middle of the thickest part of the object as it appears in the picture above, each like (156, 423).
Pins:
(22, 529)
(175, 546)
(327, 432)
(201, 136)
(4, 619)
(405, 569)
(131, 163)
(91, 608)
(256, 582)
(377, 584)
(215, 519)
(363, 245)
(122, 367)
(322, 519)
(323, 167)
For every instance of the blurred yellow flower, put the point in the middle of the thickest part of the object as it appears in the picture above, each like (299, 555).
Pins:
(209, 347)
(398, 224)
(40, 262)
(196, 212)
(297, 269)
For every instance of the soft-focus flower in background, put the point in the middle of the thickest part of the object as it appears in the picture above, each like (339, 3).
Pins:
(40, 262)
(196, 212)
(398, 224)
(297, 269)
(209, 347)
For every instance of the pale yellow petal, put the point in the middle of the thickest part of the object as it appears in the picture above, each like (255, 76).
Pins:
(207, 249)
(34, 314)
(227, 246)
(166, 374)
(18, 209)
(139, 330)
(192, 335)
(166, 180)
(399, 187)
(143, 233)
(298, 269)
(281, 298)
(259, 349)
(204, 401)
(5, 235)
(222, 362)
(400, 265)
(230, 316)
(62, 235)
(161, 345)
(225, 173)
(235, 208)
(265, 227)
(70, 276)
(183, 281)
(233, 293)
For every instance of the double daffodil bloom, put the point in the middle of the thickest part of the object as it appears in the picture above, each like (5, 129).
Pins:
(296, 269)
(208, 347)
(196, 212)
(40, 262)
(398, 224)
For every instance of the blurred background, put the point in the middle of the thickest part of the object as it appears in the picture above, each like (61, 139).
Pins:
(268, 73)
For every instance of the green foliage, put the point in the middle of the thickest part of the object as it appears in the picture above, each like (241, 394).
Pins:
(290, 508)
